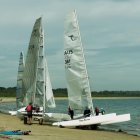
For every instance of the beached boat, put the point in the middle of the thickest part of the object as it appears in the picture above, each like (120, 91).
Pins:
(79, 94)
(35, 84)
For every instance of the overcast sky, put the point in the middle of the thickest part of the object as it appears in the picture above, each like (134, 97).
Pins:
(110, 32)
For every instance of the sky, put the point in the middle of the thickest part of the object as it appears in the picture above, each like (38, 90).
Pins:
(110, 32)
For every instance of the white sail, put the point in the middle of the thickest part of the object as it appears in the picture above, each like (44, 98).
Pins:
(19, 88)
(34, 73)
(36, 80)
(79, 93)
(50, 102)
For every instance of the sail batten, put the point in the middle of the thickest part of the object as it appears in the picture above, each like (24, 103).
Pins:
(77, 78)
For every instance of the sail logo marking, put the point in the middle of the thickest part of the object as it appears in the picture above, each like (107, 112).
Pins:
(72, 37)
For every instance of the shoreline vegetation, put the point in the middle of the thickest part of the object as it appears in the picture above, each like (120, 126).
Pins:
(62, 92)
(43, 132)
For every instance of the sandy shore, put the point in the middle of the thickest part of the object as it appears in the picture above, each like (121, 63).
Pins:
(46, 132)
(13, 99)
(7, 99)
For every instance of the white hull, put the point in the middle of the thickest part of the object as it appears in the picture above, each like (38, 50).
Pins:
(51, 117)
(60, 119)
(55, 117)
(13, 113)
(118, 119)
(87, 121)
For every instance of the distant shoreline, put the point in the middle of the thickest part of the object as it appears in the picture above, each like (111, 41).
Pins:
(64, 98)
(13, 99)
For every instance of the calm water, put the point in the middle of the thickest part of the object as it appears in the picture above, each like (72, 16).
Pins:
(119, 106)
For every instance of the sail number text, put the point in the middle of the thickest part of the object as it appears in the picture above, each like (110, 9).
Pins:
(67, 54)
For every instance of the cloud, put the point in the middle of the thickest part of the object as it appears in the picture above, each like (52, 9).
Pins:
(109, 30)
(2, 58)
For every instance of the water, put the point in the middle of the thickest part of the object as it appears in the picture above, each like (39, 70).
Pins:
(119, 106)
(122, 106)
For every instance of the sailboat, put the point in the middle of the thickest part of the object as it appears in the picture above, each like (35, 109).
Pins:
(79, 93)
(19, 88)
(36, 86)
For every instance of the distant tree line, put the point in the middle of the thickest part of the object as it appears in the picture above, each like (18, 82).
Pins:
(8, 92)
(116, 94)
(62, 92)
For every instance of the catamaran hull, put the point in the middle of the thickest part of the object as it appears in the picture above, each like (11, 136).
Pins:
(55, 117)
(87, 121)
(118, 119)
(22, 112)
(51, 117)
(47, 117)
(13, 113)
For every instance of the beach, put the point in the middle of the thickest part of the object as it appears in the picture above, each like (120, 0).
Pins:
(47, 132)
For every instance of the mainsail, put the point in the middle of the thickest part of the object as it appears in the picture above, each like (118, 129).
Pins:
(36, 76)
(19, 88)
(36, 84)
(78, 87)
(33, 76)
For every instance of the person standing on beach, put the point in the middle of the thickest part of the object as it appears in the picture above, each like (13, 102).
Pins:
(87, 112)
(97, 111)
(71, 112)
(29, 110)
